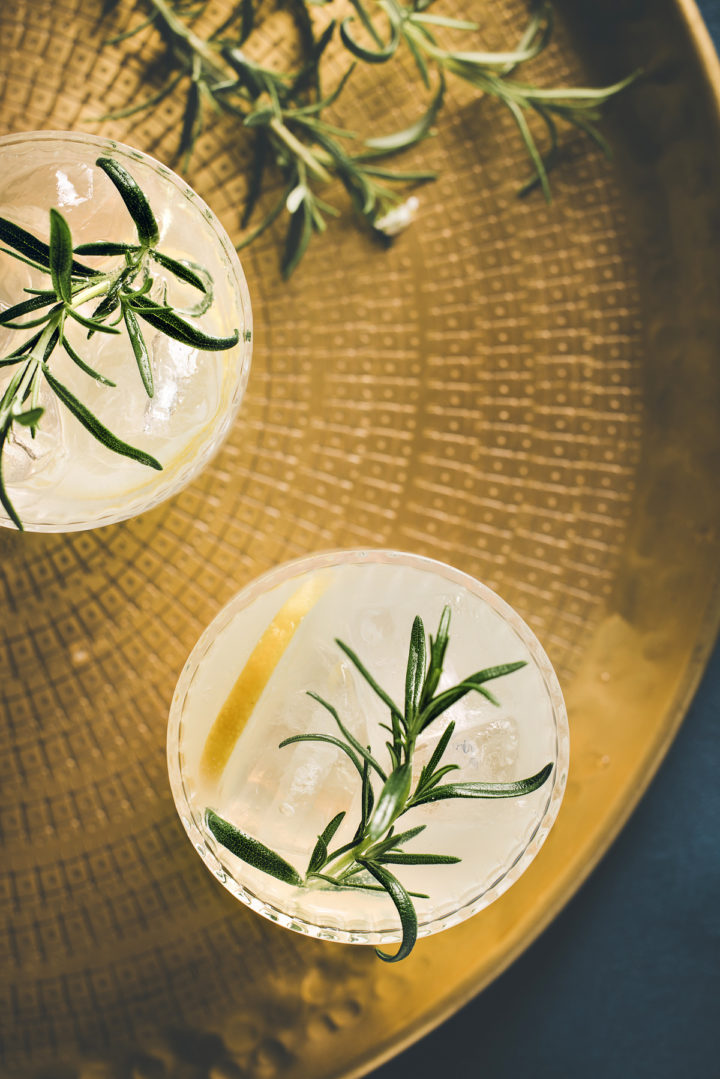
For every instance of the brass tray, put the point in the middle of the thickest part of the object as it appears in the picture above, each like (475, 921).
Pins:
(528, 392)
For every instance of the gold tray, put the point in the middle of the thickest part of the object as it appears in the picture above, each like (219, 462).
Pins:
(528, 392)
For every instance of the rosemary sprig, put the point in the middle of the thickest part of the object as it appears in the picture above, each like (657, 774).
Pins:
(285, 111)
(124, 300)
(490, 73)
(362, 863)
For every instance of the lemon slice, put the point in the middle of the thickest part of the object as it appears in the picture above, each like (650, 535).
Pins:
(237, 709)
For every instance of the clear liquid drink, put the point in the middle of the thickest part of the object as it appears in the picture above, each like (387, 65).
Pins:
(63, 479)
(244, 690)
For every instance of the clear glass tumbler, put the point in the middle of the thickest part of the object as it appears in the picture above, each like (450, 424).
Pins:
(246, 688)
(62, 478)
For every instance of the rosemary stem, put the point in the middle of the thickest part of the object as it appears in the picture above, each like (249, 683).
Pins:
(15, 391)
(24, 377)
(35, 361)
(35, 384)
(38, 350)
(98, 288)
(283, 133)
(184, 36)
(336, 867)
(28, 377)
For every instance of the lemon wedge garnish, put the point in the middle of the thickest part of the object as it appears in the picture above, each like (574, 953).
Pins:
(243, 697)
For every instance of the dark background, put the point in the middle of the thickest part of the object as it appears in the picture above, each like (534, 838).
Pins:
(626, 982)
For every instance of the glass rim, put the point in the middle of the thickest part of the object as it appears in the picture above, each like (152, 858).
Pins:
(213, 855)
(148, 497)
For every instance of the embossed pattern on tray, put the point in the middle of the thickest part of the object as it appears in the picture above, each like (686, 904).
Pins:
(526, 391)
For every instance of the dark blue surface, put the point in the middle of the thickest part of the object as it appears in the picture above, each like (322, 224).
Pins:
(711, 11)
(626, 982)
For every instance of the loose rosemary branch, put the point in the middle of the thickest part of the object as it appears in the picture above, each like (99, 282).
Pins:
(124, 300)
(362, 862)
(285, 111)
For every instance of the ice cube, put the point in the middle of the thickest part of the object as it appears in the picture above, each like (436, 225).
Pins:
(25, 456)
(90, 203)
(289, 795)
(484, 749)
(492, 750)
(172, 363)
(173, 408)
(73, 186)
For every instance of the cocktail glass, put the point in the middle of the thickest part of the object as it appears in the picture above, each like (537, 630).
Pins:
(244, 690)
(63, 479)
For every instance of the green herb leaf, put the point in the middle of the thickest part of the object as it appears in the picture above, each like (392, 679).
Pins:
(165, 319)
(371, 56)
(250, 850)
(61, 256)
(50, 344)
(90, 323)
(297, 238)
(360, 749)
(320, 851)
(438, 648)
(267, 221)
(181, 270)
(401, 858)
(25, 347)
(31, 418)
(394, 753)
(474, 682)
(410, 136)
(365, 887)
(490, 673)
(192, 120)
(324, 738)
(104, 247)
(78, 360)
(515, 789)
(420, 61)
(442, 20)
(34, 249)
(248, 20)
(26, 307)
(109, 304)
(139, 348)
(367, 801)
(92, 424)
(433, 780)
(531, 147)
(391, 801)
(394, 710)
(394, 840)
(439, 750)
(415, 673)
(404, 907)
(134, 198)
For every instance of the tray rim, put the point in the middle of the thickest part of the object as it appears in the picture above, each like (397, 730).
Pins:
(706, 64)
